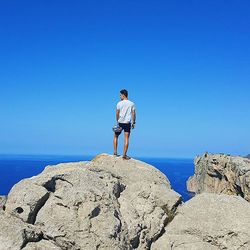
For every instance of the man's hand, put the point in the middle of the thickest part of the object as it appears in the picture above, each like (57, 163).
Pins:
(133, 119)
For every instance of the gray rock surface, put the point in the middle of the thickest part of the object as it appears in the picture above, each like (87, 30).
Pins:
(219, 173)
(208, 222)
(111, 203)
(191, 184)
(15, 234)
(107, 203)
(3, 199)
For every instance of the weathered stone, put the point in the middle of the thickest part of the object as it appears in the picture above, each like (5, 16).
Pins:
(25, 199)
(3, 199)
(208, 221)
(41, 245)
(108, 203)
(111, 203)
(219, 173)
(16, 234)
(191, 184)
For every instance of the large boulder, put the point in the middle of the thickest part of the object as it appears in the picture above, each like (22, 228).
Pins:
(107, 203)
(209, 222)
(220, 173)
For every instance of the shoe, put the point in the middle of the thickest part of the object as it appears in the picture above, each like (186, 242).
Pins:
(125, 157)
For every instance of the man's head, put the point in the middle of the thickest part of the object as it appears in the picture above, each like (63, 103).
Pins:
(123, 94)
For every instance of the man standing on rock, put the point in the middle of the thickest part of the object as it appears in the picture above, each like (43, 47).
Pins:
(125, 114)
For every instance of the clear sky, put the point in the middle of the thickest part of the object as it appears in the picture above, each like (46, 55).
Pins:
(186, 65)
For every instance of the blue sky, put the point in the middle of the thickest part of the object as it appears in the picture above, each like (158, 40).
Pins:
(186, 65)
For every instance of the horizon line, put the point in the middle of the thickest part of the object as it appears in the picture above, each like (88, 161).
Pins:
(88, 155)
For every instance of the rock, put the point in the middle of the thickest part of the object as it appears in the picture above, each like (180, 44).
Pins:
(248, 156)
(3, 199)
(191, 184)
(16, 234)
(107, 203)
(41, 245)
(208, 221)
(26, 203)
(219, 173)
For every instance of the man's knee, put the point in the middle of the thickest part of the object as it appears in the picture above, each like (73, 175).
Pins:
(126, 134)
(126, 137)
(116, 136)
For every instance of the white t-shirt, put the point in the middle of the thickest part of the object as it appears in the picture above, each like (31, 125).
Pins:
(126, 107)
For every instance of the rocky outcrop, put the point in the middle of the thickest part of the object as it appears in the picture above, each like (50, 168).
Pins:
(107, 203)
(248, 156)
(209, 222)
(219, 173)
(111, 203)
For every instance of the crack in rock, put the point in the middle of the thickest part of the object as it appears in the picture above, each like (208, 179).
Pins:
(30, 236)
(95, 212)
(50, 185)
(40, 203)
(118, 189)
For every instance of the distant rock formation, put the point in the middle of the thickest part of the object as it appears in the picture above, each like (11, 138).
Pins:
(107, 203)
(219, 173)
(111, 203)
(208, 222)
(248, 156)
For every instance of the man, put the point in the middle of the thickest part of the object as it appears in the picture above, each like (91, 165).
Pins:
(125, 115)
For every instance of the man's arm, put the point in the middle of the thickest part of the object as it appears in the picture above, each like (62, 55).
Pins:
(133, 118)
(117, 114)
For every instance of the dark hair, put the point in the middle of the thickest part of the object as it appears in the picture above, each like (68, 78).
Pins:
(124, 92)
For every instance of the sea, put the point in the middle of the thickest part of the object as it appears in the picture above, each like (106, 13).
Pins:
(14, 168)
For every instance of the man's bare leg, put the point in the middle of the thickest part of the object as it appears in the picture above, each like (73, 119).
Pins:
(115, 142)
(126, 143)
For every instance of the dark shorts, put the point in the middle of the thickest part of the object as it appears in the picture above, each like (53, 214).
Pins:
(125, 126)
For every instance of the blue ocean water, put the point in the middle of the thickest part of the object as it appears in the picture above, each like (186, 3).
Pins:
(14, 168)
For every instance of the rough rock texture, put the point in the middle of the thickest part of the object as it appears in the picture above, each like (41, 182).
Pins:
(219, 173)
(108, 203)
(191, 184)
(16, 234)
(2, 201)
(208, 221)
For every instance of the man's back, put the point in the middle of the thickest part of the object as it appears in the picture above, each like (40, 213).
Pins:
(125, 107)
(125, 114)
